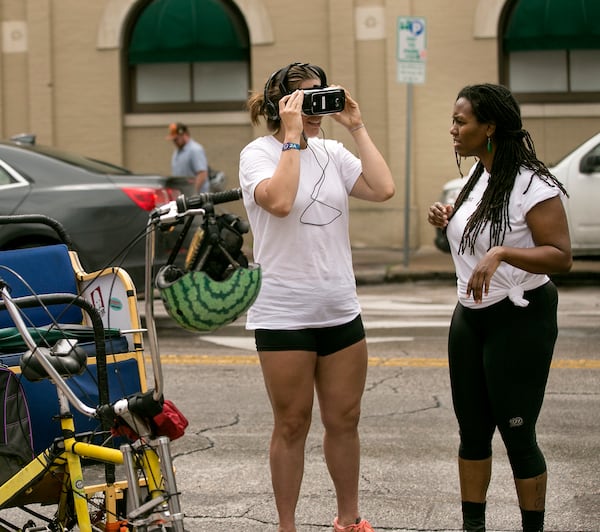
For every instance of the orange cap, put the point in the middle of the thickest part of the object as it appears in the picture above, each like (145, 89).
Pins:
(176, 129)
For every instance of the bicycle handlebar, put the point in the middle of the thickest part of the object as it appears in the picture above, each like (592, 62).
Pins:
(198, 201)
(174, 211)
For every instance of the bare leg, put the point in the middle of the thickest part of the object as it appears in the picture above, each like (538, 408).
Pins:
(475, 478)
(532, 492)
(532, 501)
(289, 379)
(474, 481)
(340, 384)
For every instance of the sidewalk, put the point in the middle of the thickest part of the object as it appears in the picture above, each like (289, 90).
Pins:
(389, 265)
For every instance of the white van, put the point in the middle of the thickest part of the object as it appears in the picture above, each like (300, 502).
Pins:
(579, 172)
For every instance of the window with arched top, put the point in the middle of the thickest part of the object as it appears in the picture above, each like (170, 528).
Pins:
(550, 50)
(186, 56)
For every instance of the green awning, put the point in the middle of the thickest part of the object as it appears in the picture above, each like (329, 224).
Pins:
(553, 25)
(175, 31)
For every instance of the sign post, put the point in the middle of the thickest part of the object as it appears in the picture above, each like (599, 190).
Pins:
(411, 56)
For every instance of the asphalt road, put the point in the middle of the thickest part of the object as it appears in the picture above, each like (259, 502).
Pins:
(409, 437)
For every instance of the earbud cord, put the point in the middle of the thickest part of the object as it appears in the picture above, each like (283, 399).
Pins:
(317, 187)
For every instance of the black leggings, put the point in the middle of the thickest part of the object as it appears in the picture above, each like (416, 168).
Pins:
(499, 359)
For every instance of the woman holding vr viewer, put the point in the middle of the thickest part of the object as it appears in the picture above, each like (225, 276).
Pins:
(306, 319)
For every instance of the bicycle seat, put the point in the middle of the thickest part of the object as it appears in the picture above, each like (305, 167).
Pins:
(66, 357)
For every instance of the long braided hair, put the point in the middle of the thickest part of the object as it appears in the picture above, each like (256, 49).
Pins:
(495, 104)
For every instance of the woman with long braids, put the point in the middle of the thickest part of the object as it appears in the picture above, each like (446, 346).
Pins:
(507, 231)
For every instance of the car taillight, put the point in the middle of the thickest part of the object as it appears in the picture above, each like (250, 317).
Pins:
(149, 198)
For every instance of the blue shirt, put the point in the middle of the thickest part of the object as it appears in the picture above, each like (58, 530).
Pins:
(189, 160)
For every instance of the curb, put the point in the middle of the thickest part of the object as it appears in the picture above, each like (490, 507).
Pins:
(393, 275)
(579, 278)
(397, 276)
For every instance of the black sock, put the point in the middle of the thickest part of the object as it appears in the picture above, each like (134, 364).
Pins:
(473, 516)
(532, 520)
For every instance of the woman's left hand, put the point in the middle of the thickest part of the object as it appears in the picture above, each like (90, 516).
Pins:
(350, 117)
(479, 282)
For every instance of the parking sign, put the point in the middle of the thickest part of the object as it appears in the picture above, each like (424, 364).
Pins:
(412, 50)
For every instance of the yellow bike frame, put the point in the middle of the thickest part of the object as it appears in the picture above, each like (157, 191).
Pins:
(147, 465)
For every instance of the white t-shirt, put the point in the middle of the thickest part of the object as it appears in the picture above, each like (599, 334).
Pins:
(306, 260)
(507, 281)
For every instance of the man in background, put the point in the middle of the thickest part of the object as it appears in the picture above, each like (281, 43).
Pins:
(189, 157)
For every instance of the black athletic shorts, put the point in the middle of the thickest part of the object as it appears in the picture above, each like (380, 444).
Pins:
(323, 340)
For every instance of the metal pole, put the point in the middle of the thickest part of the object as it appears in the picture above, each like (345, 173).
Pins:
(409, 97)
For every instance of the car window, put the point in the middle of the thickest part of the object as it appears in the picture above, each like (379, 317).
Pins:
(590, 162)
(92, 165)
(5, 178)
(593, 151)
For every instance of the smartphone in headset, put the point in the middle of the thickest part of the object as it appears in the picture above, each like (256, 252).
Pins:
(323, 101)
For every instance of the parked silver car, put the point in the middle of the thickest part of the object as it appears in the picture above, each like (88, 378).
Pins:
(104, 208)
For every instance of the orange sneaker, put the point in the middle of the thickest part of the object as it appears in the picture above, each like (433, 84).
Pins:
(361, 525)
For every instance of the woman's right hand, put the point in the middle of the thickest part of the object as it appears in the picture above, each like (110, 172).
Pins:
(290, 112)
(439, 214)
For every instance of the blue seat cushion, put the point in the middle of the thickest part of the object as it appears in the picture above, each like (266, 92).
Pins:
(40, 270)
(42, 400)
(123, 380)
